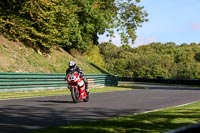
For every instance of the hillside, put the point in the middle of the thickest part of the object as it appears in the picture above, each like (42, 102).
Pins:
(15, 57)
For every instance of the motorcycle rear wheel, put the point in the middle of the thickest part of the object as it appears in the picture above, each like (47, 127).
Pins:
(87, 98)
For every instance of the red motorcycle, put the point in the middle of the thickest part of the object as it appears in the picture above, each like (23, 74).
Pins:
(77, 87)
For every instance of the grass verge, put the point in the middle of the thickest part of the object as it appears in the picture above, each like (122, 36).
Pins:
(152, 122)
(53, 92)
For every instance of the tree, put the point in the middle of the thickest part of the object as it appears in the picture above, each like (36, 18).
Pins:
(93, 54)
(129, 16)
(68, 23)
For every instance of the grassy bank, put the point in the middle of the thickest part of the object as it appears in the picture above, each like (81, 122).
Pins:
(15, 57)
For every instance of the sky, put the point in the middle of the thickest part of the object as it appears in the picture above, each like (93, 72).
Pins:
(175, 21)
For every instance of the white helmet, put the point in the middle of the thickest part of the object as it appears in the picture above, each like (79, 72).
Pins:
(72, 64)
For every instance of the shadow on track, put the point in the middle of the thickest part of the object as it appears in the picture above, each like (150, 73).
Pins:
(54, 101)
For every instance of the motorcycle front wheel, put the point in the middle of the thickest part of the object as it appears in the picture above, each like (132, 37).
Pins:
(75, 95)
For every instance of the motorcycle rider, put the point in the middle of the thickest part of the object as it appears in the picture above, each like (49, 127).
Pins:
(72, 68)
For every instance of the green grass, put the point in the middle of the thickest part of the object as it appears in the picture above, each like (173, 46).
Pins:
(53, 92)
(152, 122)
(15, 57)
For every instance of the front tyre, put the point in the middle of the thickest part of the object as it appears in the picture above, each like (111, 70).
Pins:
(75, 95)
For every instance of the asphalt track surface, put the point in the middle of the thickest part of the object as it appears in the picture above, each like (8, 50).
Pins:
(24, 115)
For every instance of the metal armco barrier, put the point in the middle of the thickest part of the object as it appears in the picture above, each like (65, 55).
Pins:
(32, 81)
(162, 80)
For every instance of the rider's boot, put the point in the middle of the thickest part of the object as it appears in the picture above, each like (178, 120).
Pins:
(86, 87)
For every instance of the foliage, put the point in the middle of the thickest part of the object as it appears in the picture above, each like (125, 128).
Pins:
(130, 16)
(166, 60)
(43, 24)
(93, 54)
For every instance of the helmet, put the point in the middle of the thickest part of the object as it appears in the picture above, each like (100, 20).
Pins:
(72, 64)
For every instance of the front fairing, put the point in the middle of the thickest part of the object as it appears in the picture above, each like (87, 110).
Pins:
(72, 78)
